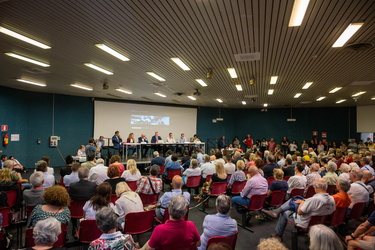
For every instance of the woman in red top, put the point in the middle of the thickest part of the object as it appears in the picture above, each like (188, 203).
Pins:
(115, 161)
(271, 145)
(132, 147)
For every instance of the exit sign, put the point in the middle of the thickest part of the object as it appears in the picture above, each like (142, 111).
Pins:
(4, 127)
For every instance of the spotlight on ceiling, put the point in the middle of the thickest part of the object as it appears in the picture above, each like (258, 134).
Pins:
(105, 84)
(252, 82)
(210, 74)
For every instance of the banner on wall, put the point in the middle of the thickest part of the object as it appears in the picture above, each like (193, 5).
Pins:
(324, 134)
(315, 133)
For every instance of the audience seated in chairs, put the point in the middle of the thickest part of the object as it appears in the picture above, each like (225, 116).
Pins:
(331, 177)
(207, 168)
(176, 233)
(57, 201)
(220, 224)
(115, 161)
(49, 180)
(322, 237)
(91, 162)
(342, 199)
(313, 175)
(358, 191)
(84, 189)
(298, 180)
(158, 160)
(173, 165)
(131, 173)
(271, 243)
(106, 219)
(98, 174)
(72, 177)
(46, 233)
(101, 198)
(34, 196)
(114, 177)
(65, 170)
(150, 184)
(193, 170)
(239, 174)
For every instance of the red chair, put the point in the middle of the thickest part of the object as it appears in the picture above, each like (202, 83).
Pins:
(238, 186)
(193, 182)
(62, 181)
(229, 176)
(162, 170)
(310, 192)
(148, 199)
(76, 209)
(256, 203)
(296, 191)
(12, 197)
(270, 180)
(140, 222)
(7, 216)
(277, 198)
(29, 209)
(229, 240)
(208, 177)
(286, 178)
(132, 185)
(61, 240)
(217, 188)
(88, 231)
(314, 220)
(172, 173)
(331, 189)
(338, 216)
(357, 210)
(114, 198)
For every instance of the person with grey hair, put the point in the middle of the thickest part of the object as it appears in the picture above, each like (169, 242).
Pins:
(220, 224)
(322, 238)
(193, 170)
(369, 180)
(150, 184)
(34, 196)
(365, 165)
(313, 175)
(98, 174)
(318, 205)
(49, 180)
(207, 168)
(345, 169)
(84, 189)
(157, 159)
(331, 177)
(358, 191)
(342, 199)
(106, 220)
(176, 233)
(46, 233)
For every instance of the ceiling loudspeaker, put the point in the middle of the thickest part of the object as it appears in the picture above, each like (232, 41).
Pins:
(197, 93)
(210, 74)
(105, 84)
(252, 82)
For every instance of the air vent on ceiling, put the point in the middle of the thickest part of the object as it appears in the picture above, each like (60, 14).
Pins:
(116, 96)
(251, 96)
(147, 99)
(305, 102)
(361, 83)
(178, 102)
(359, 46)
(36, 71)
(247, 57)
(156, 84)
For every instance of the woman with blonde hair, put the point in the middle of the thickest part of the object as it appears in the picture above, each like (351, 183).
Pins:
(239, 174)
(131, 173)
(115, 161)
(253, 158)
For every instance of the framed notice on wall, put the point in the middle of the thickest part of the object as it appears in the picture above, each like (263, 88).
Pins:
(315, 133)
(324, 134)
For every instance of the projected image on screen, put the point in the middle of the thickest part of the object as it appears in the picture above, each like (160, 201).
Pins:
(149, 120)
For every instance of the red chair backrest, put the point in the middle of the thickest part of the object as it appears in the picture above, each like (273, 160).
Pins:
(140, 222)
(277, 198)
(7, 216)
(172, 173)
(114, 198)
(76, 209)
(193, 181)
(357, 210)
(257, 201)
(29, 209)
(218, 188)
(270, 180)
(166, 214)
(229, 176)
(371, 208)
(229, 240)
(88, 231)
(12, 197)
(132, 185)
(310, 192)
(331, 189)
(61, 240)
(162, 169)
(314, 220)
(148, 199)
(338, 216)
(62, 181)
(286, 178)
(208, 177)
(296, 191)
(238, 186)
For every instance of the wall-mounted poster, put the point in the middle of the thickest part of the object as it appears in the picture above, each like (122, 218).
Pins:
(315, 133)
(324, 135)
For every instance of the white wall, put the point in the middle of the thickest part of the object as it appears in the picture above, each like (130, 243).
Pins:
(366, 119)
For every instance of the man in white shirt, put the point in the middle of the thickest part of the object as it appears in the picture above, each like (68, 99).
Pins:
(358, 191)
(49, 180)
(73, 177)
(182, 139)
(229, 166)
(170, 139)
(298, 180)
(98, 174)
(207, 168)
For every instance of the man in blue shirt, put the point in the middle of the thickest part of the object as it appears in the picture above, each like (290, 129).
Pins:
(73, 177)
(365, 165)
(157, 160)
(90, 148)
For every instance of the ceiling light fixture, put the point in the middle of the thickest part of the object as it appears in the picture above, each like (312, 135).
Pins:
(112, 52)
(335, 90)
(297, 95)
(347, 34)
(239, 87)
(265, 105)
(359, 93)
(243, 103)
(26, 59)
(340, 101)
(192, 97)
(320, 98)
(298, 12)
(81, 86)
(273, 79)
(124, 91)
(201, 82)
(23, 38)
(373, 99)
(156, 76)
(232, 72)
(93, 66)
(180, 63)
(160, 94)
(219, 100)
(307, 85)
(31, 82)
(270, 91)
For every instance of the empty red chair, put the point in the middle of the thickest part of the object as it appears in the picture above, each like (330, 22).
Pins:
(277, 198)
(238, 186)
(208, 177)
(88, 231)
(310, 192)
(193, 182)
(172, 173)
(331, 189)
(217, 188)
(114, 198)
(61, 240)
(148, 199)
(62, 181)
(270, 180)
(357, 210)
(338, 216)
(12, 197)
(256, 203)
(229, 240)
(162, 170)
(7, 216)
(76, 209)
(132, 185)
(296, 191)
(140, 222)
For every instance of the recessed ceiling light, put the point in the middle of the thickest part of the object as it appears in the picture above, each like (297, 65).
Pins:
(81, 86)
(26, 59)
(93, 66)
(192, 97)
(232, 72)
(180, 63)
(219, 100)
(373, 99)
(270, 91)
(298, 12)
(239, 87)
(273, 79)
(335, 90)
(160, 94)
(297, 95)
(307, 85)
(265, 105)
(23, 38)
(201, 82)
(340, 101)
(347, 34)
(112, 52)
(359, 93)
(124, 91)
(320, 98)
(156, 76)
(31, 82)
(243, 103)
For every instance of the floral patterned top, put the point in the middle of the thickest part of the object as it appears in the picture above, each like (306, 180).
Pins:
(114, 241)
(39, 214)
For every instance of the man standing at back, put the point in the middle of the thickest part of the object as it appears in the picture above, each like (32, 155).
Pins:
(271, 165)
(248, 141)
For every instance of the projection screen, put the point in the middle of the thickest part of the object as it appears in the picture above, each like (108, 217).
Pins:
(366, 119)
